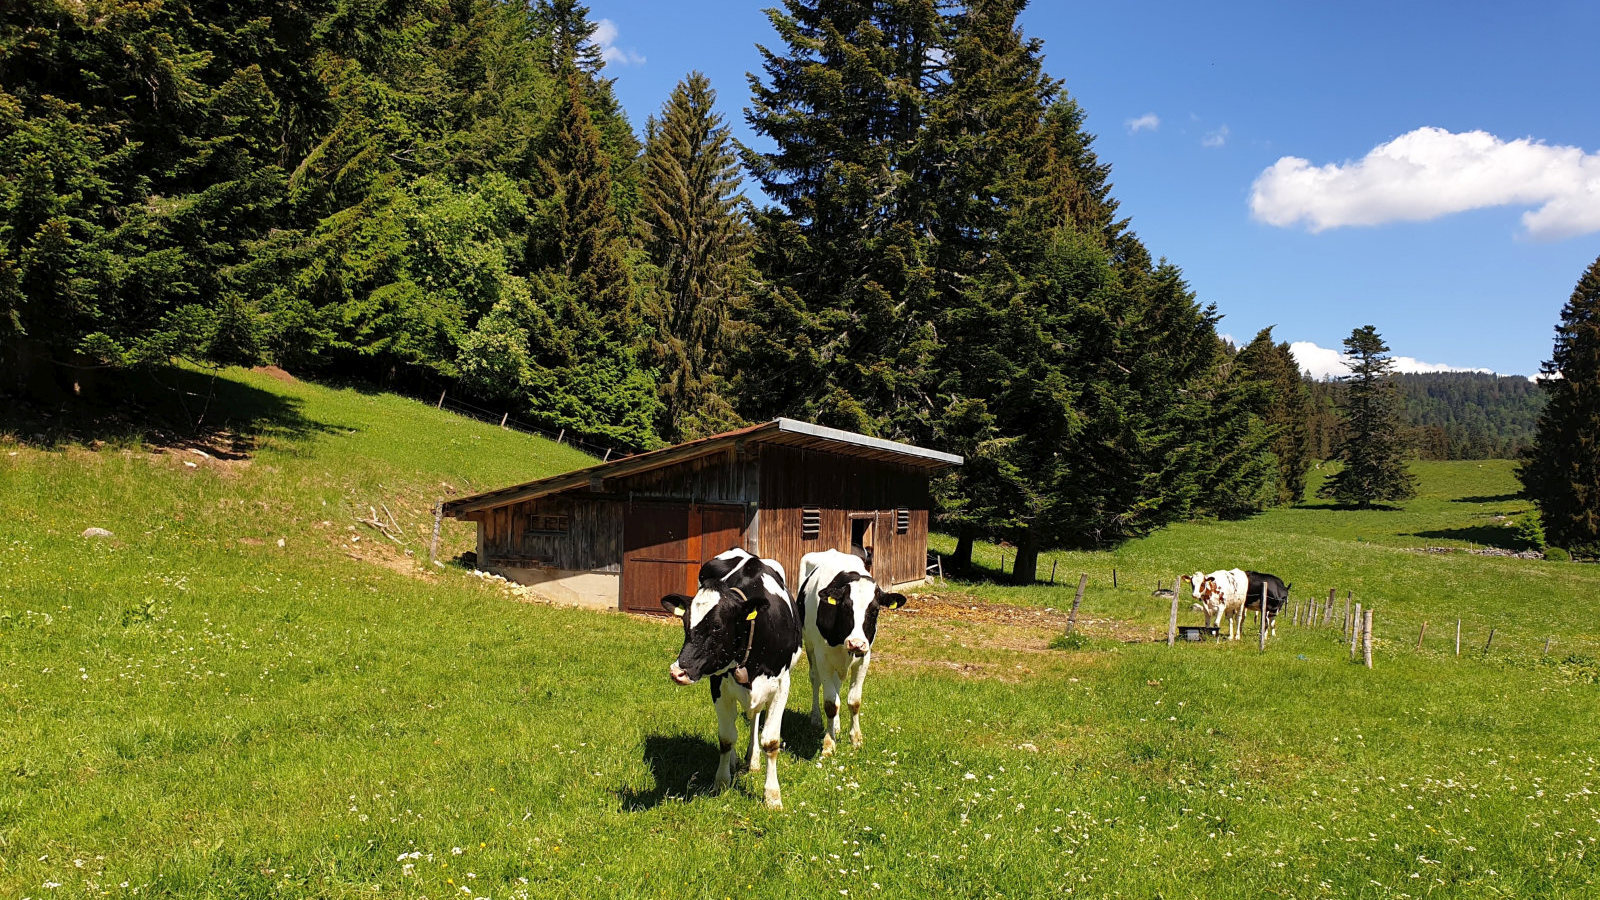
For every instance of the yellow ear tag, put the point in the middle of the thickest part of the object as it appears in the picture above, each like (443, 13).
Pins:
(677, 610)
(832, 602)
(751, 617)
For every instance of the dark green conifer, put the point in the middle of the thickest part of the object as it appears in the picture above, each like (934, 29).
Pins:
(1562, 473)
(697, 236)
(1373, 444)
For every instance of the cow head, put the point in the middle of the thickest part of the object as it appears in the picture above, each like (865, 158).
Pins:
(719, 618)
(1206, 591)
(847, 611)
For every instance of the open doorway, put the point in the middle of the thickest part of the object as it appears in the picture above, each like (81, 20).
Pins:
(861, 536)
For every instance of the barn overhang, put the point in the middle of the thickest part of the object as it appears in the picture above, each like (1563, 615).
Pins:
(781, 431)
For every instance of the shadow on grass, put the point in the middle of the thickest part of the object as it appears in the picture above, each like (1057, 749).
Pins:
(1349, 507)
(1487, 535)
(684, 766)
(1497, 498)
(168, 406)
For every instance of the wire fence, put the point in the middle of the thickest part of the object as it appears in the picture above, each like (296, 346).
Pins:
(504, 419)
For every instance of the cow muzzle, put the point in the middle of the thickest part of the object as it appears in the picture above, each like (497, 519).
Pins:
(856, 647)
(679, 676)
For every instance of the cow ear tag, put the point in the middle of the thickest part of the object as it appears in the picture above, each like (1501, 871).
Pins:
(832, 602)
(677, 610)
(752, 616)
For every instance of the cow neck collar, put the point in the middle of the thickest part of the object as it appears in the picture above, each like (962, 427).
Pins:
(741, 674)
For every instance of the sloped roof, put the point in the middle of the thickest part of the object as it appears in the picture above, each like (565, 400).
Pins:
(788, 432)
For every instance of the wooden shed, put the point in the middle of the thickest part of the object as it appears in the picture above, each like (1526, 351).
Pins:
(623, 534)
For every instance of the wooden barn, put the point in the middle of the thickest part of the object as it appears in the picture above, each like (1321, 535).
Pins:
(623, 534)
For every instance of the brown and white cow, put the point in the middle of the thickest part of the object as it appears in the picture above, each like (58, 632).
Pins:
(741, 631)
(839, 604)
(1221, 595)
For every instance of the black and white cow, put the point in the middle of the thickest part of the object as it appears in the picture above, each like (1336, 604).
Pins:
(839, 603)
(740, 631)
(1277, 596)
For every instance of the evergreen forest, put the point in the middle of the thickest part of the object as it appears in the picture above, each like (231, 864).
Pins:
(923, 245)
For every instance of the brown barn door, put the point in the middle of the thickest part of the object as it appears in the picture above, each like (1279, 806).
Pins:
(664, 545)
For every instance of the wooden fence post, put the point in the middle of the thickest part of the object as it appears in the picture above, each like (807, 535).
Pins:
(440, 404)
(1355, 632)
(1053, 564)
(1072, 618)
(1327, 615)
(1420, 632)
(1458, 637)
(562, 437)
(1546, 647)
(433, 545)
(1113, 578)
(1172, 621)
(1488, 642)
(504, 418)
(1002, 562)
(1346, 628)
(938, 563)
(1366, 642)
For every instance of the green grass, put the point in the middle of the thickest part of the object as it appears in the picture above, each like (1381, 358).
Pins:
(193, 711)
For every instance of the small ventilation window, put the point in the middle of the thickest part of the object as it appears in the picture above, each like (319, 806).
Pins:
(542, 524)
(902, 521)
(810, 523)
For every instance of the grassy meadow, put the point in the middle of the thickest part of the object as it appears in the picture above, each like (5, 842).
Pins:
(191, 709)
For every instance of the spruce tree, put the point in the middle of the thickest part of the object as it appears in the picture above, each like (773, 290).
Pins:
(1373, 443)
(845, 337)
(1284, 404)
(1562, 472)
(698, 237)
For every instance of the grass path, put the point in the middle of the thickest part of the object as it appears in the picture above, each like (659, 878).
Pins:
(188, 709)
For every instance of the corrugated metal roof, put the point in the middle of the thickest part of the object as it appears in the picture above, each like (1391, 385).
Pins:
(779, 431)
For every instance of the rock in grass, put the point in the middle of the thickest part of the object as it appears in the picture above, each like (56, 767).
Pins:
(96, 533)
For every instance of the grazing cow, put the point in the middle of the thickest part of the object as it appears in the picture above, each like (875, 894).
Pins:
(1221, 595)
(839, 604)
(1277, 596)
(740, 630)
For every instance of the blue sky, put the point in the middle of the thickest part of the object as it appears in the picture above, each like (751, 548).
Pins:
(1450, 186)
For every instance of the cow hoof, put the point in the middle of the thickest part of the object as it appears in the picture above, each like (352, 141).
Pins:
(827, 746)
(855, 739)
(774, 800)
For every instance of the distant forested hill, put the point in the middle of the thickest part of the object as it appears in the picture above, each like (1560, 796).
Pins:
(1455, 415)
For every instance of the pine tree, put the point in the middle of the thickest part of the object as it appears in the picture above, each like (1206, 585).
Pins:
(697, 235)
(1285, 406)
(1373, 445)
(845, 337)
(566, 36)
(1562, 472)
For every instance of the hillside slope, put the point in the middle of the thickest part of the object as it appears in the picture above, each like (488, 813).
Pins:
(188, 709)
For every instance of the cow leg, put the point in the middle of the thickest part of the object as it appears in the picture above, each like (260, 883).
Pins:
(755, 739)
(816, 686)
(854, 699)
(772, 737)
(830, 706)
(727, 736)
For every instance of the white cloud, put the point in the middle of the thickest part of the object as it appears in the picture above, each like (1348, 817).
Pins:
(1215, 138)
(605, 35)
(1430, 172)
(1147, 122)
(1321, 362)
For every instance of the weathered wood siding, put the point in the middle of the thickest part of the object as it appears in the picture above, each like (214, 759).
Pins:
(592, 542)
(794, 479)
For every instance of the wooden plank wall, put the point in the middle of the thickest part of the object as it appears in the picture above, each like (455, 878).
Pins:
(593, 541)
(793, 479)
